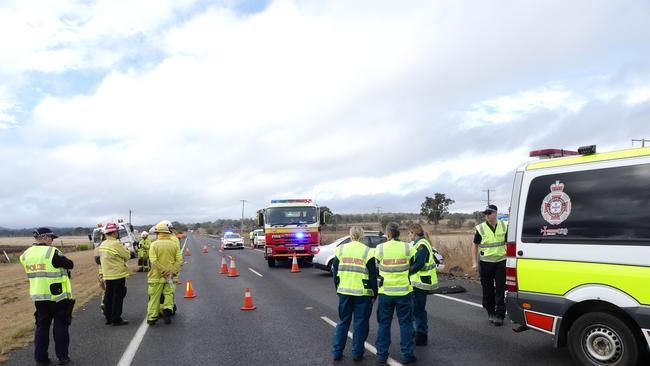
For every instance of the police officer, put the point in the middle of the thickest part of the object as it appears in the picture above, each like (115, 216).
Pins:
(424, 280)
(355, 278)
(490, 247)
(48, 271)
(395, 294)
(143, 252)
(166, 260)
(113, 257)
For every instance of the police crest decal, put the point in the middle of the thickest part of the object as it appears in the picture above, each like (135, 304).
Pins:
(556, 206)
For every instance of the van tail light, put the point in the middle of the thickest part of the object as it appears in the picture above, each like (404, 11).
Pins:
(511, 267)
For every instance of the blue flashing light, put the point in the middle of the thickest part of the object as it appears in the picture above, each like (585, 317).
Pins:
(301, 200)
(300, 235)
(228, 232)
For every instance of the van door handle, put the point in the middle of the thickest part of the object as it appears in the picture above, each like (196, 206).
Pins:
(520, 253)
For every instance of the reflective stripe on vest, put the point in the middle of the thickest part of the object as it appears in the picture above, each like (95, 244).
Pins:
(428, 270)
(492, 247)
(352, 271)
(42, 275)
(393, 259)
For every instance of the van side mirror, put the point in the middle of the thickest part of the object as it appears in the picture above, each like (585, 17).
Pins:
(260, 218)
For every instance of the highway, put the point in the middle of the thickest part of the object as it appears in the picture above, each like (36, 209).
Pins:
(291, 325)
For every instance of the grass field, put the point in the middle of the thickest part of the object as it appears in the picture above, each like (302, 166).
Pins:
(25, 241)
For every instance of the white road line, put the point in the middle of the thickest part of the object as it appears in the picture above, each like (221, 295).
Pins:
(460, 300)
(254, 271)
(128, 355)
(259, 250)
(184, 243)
(369, 346)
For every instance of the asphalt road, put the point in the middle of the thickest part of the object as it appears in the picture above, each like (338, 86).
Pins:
(291, 326)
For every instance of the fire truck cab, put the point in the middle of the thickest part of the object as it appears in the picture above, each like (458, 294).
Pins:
(291, 227)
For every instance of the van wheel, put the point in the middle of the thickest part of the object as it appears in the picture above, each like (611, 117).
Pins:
(271, 263)
(599, 339)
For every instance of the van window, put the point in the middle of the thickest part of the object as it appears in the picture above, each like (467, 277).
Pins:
(606, 206)
(514, 206)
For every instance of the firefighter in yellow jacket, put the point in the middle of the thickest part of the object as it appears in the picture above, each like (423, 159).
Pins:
(143, 252)
(113, 257)
(166, 259)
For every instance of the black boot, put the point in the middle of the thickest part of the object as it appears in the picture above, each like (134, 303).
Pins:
(167, 316)
(420, 339)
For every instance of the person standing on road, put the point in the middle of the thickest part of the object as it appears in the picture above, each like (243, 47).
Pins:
(175, 237)
(395, 294)
(490, 247)
(424, 280)
(48, 271)
(113, 257)
(143, 252)
(355, 278)
(166, 260)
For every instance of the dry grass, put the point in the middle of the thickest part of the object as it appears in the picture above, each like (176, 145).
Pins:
(17, 315)
(24, 241)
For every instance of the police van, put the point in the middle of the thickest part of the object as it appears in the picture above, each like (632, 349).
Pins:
(578, 253)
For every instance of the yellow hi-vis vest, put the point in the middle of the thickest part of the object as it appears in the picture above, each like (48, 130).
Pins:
(46, 282)
(143, 248)
(493, 244)
(393, 261)
(352, 271)
(113, 257)
(418, 280)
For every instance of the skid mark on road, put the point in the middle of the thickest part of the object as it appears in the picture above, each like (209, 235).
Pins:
(254, 271)
(128, 355)
(368, 346)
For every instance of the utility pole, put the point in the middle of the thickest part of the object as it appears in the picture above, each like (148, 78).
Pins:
(488, 194)
(642, 141)
(129, 217)
(243, 202)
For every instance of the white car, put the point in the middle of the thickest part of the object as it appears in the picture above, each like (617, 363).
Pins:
(232, 240)
(259, 239)
(325, 256)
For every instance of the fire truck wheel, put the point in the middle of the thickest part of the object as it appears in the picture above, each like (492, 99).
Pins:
(271, 262)
(599, 339)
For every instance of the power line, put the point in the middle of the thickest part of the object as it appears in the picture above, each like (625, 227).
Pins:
(642, 141)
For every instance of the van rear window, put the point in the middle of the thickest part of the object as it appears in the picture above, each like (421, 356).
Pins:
(608, 206)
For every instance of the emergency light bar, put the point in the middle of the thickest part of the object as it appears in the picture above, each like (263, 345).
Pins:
(551, 153)
(299, 200)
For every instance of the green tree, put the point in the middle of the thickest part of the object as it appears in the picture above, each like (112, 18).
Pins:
(435, 208)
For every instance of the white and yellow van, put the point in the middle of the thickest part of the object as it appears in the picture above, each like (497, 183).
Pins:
(578, 248)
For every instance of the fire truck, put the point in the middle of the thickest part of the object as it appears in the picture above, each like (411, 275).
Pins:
(291, 227)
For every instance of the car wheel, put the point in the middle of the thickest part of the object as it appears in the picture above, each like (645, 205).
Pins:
(599, 339)
(329, 266)
(271, 262)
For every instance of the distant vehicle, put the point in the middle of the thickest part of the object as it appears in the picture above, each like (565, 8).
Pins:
(578, 253)
(325, 256)
(259, 239)
(232, 240)
(125, 232)
(292, 228)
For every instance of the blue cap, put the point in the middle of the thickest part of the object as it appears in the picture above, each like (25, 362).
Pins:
(44, 231)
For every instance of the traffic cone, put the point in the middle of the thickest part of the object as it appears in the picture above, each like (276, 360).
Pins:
(224, 266)
(248, 301)
(294, 265)
(233, 268)
(205, 249)
(189, 292)
(187, 252)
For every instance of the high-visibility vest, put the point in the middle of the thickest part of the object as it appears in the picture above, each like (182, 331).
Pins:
(429, 269)
(143, 248)
(43, 276)
(113, 257)
(393, 261)
(493, 243)
(352, 272)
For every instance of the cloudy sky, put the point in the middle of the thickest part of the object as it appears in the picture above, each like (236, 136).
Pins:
(180, 108)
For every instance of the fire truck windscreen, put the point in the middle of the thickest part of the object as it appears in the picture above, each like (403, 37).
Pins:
(291, 215)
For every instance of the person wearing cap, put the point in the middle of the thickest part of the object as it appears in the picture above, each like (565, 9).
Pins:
(355, 278)
(113, 257)
(48, 271)
(166, 259)
(394, 259)
(490, 248)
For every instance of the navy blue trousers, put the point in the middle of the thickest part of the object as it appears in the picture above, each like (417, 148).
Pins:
(46, 312)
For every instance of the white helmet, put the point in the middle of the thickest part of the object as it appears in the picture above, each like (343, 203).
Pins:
(152, 230)
(167, 223)
(144, 234)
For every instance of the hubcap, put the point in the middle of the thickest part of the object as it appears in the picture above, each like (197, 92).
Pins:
(602, 344)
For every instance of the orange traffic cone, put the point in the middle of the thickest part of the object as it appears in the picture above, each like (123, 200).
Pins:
(189, 292)
(187, 252)
(248, 301)
(233, 268)
(294, 265)
(224, 266)
(205, 249)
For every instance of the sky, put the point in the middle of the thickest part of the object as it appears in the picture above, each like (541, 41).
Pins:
(179, 109)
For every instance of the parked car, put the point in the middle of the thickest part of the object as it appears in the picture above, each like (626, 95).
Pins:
(325, 256)
(232, 240)
(259, 238)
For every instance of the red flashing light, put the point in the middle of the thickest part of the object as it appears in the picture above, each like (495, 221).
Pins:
(511, 267)
(551, 153)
